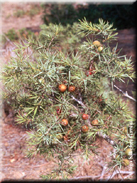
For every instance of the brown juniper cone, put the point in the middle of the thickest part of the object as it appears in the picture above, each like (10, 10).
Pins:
(71, 88)
(84, 128)
(62, 87)
(85, 116)
(64, 122)
(94, 122)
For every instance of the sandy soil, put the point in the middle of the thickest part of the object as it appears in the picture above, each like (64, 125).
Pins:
(9, 20)
(15, 162)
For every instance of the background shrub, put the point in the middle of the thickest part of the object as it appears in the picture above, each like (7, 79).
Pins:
(122, 15)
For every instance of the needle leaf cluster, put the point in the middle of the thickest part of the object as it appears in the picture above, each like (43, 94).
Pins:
(67, 55)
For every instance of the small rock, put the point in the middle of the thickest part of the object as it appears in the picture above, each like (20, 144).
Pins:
(12, 160)
(18, 175)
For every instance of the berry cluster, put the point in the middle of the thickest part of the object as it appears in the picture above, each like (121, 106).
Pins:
(63, 88)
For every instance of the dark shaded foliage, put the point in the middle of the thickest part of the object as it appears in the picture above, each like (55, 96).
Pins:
(121, 15)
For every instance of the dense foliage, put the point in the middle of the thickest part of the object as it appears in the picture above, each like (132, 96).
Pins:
(62, 88)
(121, 15)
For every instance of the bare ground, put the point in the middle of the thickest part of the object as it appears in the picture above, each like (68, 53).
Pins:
(15, 162)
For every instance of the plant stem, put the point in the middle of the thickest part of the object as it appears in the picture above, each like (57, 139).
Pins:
(78, 101)
(120, 172)
(125, 94)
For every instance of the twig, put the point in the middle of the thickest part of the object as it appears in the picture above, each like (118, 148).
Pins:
(8, 40)
(127, 176)
(106, 138)
(32, 166)
(49, 130)
(97, 111)
(78, 101)
(85, 177)
(92, 177)
(83, 104)
(120, 172)
(80, 96)
(103, 171)
(51, 42)
(125, 94)
(73, 115)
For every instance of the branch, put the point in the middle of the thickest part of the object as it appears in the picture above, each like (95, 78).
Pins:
(51, 42)
(92, 177)
(120, 172)
(50, 129)
(78, 101)
(8, 40)
(85, 177)
(104, 136)
(104, 167)
(98, 133)
(125, 94)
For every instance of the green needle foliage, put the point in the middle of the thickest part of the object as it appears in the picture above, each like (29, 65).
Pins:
(60, 56)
